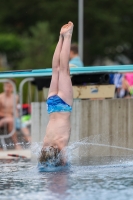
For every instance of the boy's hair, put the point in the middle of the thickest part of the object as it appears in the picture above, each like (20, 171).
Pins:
(50, 155)
(74, 48)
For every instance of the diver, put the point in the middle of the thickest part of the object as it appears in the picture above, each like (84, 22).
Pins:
(59, 102)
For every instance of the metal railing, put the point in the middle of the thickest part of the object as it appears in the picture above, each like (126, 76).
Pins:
(21, 86)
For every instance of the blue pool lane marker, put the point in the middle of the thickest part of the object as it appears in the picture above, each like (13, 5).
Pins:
(51, 168)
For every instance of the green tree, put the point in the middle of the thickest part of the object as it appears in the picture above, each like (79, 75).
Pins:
(38, 47)
(11, 45)
(107, 24)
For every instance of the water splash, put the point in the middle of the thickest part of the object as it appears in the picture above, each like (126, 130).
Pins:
(23, 145)
(81, 143)
(36, 148)
(84, 143)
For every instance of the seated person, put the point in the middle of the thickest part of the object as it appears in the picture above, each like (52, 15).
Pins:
(59, 103)
(75, 60)
(6, 113)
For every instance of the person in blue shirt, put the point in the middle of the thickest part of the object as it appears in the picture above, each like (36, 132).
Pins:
(75, 60)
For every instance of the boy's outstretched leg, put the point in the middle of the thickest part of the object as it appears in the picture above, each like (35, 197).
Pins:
(53, 90)
(65, 85)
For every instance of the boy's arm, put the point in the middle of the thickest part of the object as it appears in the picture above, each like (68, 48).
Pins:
(2, 114)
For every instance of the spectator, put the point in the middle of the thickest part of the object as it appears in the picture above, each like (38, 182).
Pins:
(7, 115)
(117, 79)
(75, 60)
(128, 83)
(111, 79)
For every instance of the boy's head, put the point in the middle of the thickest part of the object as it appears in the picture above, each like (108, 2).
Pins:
(50, 155)
(8, 88)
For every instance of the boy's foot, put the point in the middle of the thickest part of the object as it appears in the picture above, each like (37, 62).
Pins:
(67, 29)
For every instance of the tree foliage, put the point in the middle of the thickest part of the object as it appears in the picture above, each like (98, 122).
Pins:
(38, 47)
(107, 24)
(109, 28)
(9, 43)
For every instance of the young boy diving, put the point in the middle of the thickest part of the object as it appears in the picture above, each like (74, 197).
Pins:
(59, 102)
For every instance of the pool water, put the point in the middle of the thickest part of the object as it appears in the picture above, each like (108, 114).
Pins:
(21, 180)
(93, 178)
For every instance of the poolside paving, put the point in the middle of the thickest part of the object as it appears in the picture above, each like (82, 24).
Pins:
(23, 152)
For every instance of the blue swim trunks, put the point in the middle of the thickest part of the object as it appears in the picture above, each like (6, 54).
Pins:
(56, 104)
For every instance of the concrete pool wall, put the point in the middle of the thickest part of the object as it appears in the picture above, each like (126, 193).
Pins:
(103, 122)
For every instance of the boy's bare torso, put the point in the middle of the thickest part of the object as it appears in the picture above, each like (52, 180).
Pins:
(6, 105)
(58, 130)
